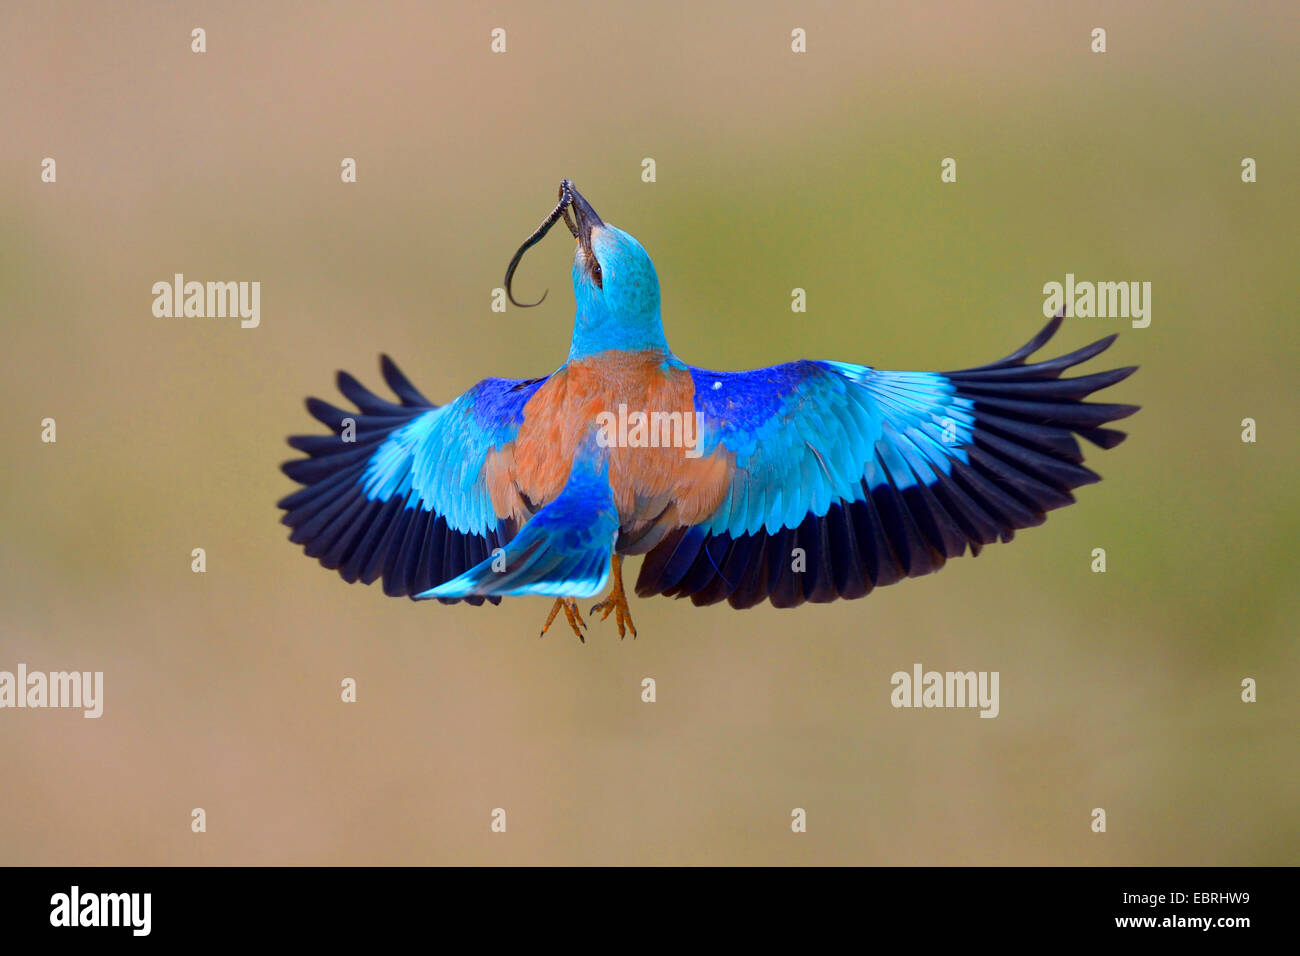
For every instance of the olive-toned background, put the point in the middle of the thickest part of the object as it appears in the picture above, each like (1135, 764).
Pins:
(1119, 690)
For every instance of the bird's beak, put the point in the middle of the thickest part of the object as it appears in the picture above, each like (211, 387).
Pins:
(581, 220)
(584, 217)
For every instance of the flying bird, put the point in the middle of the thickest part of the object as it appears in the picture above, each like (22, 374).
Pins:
(808, 481)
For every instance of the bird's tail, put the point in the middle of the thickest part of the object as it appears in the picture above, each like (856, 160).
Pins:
(563, 551)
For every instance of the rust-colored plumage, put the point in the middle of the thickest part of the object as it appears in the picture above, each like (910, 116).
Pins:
(655, 489)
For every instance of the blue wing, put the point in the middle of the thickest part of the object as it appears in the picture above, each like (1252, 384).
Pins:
(878, 475)
(397, 490)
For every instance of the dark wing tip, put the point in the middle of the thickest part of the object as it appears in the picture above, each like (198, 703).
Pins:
(400, 384)
(1037, 342)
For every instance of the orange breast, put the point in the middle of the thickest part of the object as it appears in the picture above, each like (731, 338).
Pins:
(643, 407)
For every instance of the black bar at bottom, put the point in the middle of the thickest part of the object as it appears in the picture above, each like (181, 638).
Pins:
(305, 905)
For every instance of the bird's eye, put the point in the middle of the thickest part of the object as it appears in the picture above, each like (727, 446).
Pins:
(595, 274)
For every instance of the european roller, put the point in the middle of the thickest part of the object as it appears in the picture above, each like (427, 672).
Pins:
(808, 481)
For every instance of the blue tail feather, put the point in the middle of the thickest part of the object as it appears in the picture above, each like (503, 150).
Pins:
(563, 551)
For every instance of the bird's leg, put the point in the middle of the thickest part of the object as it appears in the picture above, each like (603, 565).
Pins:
(617, 601)
(571, 614)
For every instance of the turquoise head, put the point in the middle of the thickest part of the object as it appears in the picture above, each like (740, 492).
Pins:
(615, 287)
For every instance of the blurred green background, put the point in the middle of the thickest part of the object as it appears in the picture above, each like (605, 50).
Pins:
(1119, 690)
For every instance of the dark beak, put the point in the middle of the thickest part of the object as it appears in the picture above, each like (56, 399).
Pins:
(584, 217)
(578, 216)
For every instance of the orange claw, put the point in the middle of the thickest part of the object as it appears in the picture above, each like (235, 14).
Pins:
(617, 601)
(571, 614)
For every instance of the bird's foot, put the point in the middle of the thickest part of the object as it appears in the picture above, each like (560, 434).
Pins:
(571, 614)
(616, 602)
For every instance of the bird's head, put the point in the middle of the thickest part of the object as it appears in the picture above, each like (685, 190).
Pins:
(612, 273)
(614, 282)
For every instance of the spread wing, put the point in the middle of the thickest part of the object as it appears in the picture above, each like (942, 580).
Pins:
(398, 490)
(876, 475)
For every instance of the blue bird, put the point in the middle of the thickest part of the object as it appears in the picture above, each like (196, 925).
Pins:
(808, 481)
